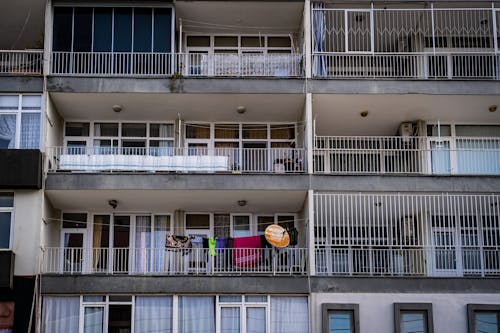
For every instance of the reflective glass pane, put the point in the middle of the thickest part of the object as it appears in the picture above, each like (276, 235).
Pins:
(7, 131)
(142, 30)
(123, 30)
(82, 40)
(413, 322)
(5, 221)
(256, 320)
(6, 199)
(102, 29)
(230, 299)
(241, 226)
(134, 130)
(162, 29)
(77, 129)
(63, 21)
(31, 102)
(486, 322)
(340, 322)
(93, 321)
(9, 102)
(30, 130)
(230, 320)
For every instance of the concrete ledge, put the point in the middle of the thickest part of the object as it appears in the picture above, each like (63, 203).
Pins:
(166, 85)
(431, 87)
(404, 285)
(406, 183)
(173, 284)
(158, 181)
(21, 84)
(137, 181)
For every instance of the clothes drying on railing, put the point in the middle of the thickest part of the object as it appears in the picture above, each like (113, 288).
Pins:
(182, 243)
(248, 251)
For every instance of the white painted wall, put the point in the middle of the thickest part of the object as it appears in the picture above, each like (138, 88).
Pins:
(376, 310)
(26, 229)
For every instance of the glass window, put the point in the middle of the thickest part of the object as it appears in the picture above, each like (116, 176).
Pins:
(103, 29)
(241, 226)
(197, 221)
(289, 314)
(255, 299)
(153, 314)
(227, 131)
(435, 130)
(225, 41)
(77, 129)
(413, 317)
(486, 322)
(123, 30)
(6, 200)
(82, 40)
(340, 318)
(252, 41)
(134, 130)
(283, 132)
(75, 220)
(106, 129)
(196, 314)
(142, 30)
(162, 30)
(5, 228)
(476, 130)
(7, 131)
(413, 321)
(263, 222)
(30, 130)
(63, 22)
(31, 102)
(278, 42)
(198, 41)
(9, 102)
(230, 320)
(230, 299)
(161, 130)
(254, 131)
(198, 131)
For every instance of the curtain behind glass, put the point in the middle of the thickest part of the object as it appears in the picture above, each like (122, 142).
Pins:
(197, 314)
(289, 315)
(256, 320)
(143, 244)
(230, 320)
(7, 131)
(162, 224)
(60, 314)
(30, 130)
(153, 314)
(93, 321)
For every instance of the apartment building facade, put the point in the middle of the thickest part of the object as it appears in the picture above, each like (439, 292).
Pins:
(149, 144)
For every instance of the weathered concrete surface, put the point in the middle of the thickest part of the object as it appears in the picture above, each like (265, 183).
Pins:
(21, 84)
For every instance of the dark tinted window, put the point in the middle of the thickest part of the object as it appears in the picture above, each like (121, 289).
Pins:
(63, 18)
(162, 33)
(123, 30)
(83, 30)
(142, 30)
(102, 29)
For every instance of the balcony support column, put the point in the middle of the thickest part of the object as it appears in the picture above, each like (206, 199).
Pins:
(309, 133)
(310, 224)
(307, 38)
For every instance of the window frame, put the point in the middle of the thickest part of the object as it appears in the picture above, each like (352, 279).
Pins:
(10, 210)
(326, 308)
(473, 308)
(18, 113)
(417, 307)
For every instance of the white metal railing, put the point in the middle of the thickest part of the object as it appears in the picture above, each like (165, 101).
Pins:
(179, 64)
(407, 155)
(417, 43)
(21, 62)
(407, 234)
(162, 261)
(246, 160)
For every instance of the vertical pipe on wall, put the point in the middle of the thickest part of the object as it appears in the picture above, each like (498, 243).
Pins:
(310, 222)
(309, 133)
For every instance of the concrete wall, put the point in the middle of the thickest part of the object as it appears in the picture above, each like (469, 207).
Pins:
(54, 125)
(27, 220)
(51, 228)
(376, 310)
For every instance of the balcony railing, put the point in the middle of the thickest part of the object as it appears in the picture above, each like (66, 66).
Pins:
(437, 261)
(21, 62)
(407, 155)
(407, 234)
(484, 66)
(405, 43)
(197, 261)
(179, 64)
(235, 160)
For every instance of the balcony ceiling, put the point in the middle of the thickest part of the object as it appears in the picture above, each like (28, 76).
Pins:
(236, 17)
(191, 107)
(340, 114)
(21, 24)
(188, 200)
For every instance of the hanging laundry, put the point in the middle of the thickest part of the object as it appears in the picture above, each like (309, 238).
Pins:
(178, 243)
(247, 251)
(211, 247)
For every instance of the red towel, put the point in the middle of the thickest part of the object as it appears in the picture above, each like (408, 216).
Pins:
(247, 251)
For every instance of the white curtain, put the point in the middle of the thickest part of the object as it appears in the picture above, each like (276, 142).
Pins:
(289, 315)
(481, 155)
(93, 319)
(162, 225)
(143, 244)
(30, 130)
(60, 314)
(319, 34)
(256, 320)
(8, 131)
(230, 320)
(196, 314)
(153, 314)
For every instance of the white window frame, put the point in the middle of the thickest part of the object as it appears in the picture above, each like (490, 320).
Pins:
(212, 48)
(10, 210)
(18, 112)
(243, 305)
(105, 305)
